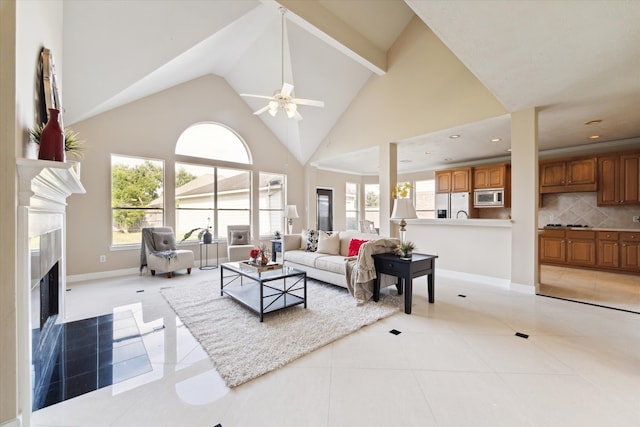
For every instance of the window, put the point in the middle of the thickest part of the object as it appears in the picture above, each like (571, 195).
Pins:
(137, 198)
(205, 193)
(195, 199)
(352, 205)
(213, 141)
(372, 203)
(271, 195)
(425, 198)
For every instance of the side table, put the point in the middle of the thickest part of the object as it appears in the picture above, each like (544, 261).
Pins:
(204, 261)
(276, 246)
(405, 270)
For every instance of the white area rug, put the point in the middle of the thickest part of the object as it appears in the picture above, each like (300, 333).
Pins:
(242, 348)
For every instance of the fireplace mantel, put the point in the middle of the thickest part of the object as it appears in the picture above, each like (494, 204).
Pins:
(46, 184)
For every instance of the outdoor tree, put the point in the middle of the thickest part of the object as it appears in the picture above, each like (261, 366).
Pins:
(134, 187)
(371, 199)
(183, 177)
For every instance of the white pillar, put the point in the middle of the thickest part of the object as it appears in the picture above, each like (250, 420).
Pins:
(524, 200)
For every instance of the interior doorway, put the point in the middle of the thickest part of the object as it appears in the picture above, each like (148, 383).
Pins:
(324, 209)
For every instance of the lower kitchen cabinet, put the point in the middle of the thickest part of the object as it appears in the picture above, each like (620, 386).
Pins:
(551, 247)
(608, 249)
(581, 248)
(630, 251)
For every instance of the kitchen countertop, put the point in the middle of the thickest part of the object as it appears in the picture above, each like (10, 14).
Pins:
(471, 222)
(590, 229)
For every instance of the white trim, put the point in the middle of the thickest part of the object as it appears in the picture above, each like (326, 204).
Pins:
(485, 280)
(102, 275)
(16, 422)
(525, 289)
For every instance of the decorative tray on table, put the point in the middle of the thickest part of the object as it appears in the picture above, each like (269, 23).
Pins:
(259, 268)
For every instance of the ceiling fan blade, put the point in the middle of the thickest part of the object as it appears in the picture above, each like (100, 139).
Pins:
(257, 96)
(262, 110)
(309, 102)
(286, 89)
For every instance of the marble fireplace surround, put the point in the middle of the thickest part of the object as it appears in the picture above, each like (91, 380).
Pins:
(43, 188)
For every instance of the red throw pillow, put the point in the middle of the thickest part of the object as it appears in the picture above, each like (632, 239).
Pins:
(354, 246)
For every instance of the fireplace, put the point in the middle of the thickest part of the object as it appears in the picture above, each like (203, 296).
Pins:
(43, 189)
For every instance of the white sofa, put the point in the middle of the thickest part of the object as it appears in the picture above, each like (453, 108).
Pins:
(328, 268)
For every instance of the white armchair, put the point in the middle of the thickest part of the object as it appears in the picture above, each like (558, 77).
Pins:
(159, 252)
(238, 242)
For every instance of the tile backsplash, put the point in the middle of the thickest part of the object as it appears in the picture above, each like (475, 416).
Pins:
(581, 208)
(576, 208)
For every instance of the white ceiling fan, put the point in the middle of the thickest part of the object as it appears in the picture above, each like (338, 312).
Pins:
(282, 98)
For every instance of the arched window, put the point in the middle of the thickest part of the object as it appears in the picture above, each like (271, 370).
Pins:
(213, 141)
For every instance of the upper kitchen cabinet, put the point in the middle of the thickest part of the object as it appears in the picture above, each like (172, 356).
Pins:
(568, 175)
(491, 176)
(453, 181)
(619, 179)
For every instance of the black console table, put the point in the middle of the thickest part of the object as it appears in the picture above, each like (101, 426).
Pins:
(405, 270)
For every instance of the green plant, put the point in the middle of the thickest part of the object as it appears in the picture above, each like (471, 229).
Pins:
(276, 234)
(202, 230)
(404, 249)
(72, 144)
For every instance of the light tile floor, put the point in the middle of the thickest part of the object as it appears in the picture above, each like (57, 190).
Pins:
(621, 291)
(456, 363)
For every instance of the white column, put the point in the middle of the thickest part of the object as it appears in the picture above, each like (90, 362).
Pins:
(388, 160)
(524, 200)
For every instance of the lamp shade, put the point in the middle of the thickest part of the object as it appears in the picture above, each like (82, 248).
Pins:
(403, 209)
(291, 211)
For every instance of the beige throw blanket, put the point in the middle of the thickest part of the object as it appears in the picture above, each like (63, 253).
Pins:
(361, 271)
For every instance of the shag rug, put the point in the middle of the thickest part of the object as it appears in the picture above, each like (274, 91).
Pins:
(243, 348)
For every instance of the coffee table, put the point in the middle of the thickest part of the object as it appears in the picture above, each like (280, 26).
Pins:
(264, 292)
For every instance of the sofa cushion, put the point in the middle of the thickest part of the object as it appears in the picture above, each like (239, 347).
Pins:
(329, 243)
(346, 236)
(354, 246)
(239, 237)
(303, 257)
(312, 241)
(164, 241)
(333, 263)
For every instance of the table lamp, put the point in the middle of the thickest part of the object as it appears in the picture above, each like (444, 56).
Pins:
(403, 209)
(290, 213)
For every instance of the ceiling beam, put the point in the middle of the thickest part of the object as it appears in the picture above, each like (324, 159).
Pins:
(332, 30)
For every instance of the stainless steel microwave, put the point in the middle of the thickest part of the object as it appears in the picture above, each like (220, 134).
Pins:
(489, 198)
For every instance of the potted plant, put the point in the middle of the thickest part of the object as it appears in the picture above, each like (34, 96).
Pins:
(204, 234)
(277, 235)
(405, 250)
(72, 144)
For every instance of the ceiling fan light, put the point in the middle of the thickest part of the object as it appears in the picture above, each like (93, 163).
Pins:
(291, 109)
(273, 108)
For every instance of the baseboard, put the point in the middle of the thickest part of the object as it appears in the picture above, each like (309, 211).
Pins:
(16, 422)
(525, 289)
(485, 280)
(101, 275)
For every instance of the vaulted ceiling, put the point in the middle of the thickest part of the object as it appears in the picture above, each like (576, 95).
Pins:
(575, 61)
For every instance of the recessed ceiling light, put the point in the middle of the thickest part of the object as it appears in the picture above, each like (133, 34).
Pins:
(509, 150)
(405, 161)
(496, 139)
(447, 159)
(593, 122)
(427, 152)
(454, 136)
(594, 137)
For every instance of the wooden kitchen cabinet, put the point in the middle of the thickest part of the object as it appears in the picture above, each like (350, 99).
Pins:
(492, 176)
(568, 175)
(608, 249)
(581, 248)
(551, 247)
(453, 181)
(630, 251)
(619, 179)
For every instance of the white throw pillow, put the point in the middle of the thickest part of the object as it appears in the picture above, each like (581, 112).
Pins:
(239, 237)
(329, 244)
(164, 241)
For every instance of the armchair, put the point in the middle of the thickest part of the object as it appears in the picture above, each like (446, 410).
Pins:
(238, 242)
(158, 252)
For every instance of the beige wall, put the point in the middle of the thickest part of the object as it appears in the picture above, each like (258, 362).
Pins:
(425, 89)
(150, 128)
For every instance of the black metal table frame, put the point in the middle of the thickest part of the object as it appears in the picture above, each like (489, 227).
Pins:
(261, 280)
(205, 265)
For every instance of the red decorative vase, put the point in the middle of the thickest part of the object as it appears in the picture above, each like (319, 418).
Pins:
(52, 139)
